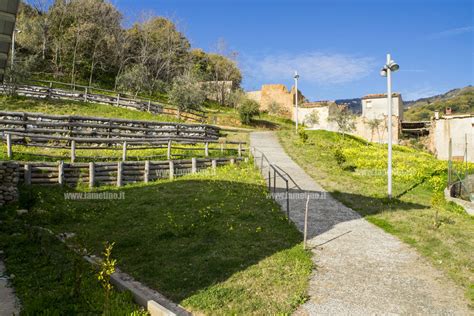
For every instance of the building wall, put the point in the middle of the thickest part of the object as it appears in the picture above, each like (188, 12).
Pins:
(460, 130)
(323, 113)
(279, 94)
(377, 107)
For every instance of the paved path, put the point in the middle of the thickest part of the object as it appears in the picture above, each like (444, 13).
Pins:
(8, 302)
(360, 269)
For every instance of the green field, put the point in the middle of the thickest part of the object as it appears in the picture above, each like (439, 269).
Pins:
(213, 242)
(354, 172)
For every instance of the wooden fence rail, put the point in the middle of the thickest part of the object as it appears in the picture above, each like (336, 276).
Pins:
(98, 127)
(113, 173)
(118, 100)
(124, 145)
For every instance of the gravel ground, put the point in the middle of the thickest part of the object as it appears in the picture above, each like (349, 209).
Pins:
(359, 269)
(8, 302)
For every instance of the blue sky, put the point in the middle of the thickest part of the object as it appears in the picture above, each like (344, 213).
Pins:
(337, 46)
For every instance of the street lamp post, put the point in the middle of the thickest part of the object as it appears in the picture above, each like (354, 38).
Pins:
(13, 44)
(296, 98)
(386, 71)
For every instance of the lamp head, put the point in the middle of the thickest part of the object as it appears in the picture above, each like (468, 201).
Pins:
(296, 75)
(393, 66)
(383, 72)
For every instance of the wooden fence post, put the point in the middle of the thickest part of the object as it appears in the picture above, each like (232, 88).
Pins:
(73, 151)
(232, 161)
(119, 173)
(85, 94)
(61, 173)
(193, 165)
(9, 146)
(27, 174)
(146, 175)
(222, 149)
(168, 153)
(206, 149)
(91, 174)
(214, 164)
(118, 99)
(240, 149)
(124, 151)
(149, 104)
(171, 169)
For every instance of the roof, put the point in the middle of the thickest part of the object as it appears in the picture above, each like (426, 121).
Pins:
(379, 95)
(8, 12)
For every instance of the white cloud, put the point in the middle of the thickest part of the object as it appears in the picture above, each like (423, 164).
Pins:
(315, 67)
(452, 32)
(421, 92)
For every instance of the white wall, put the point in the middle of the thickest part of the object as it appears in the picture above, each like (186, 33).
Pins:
(457, 129)
(323, 113)
(377, 107)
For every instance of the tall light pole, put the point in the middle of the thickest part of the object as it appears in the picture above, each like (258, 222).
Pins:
(296, 98)
(387, 72)
(13, 44)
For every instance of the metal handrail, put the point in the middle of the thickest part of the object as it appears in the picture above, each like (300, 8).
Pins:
(276, 172)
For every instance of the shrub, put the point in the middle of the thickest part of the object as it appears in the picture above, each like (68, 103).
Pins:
(247, 110)
(274, 108)
(339, 157)
(302, 134)
(186, 93)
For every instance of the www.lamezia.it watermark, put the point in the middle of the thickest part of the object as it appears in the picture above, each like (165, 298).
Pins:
(94, 196)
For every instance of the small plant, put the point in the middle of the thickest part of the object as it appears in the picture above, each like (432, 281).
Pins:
(302, 134)
(107, 267)
(247, 110)
(339, 157)
(437, 198)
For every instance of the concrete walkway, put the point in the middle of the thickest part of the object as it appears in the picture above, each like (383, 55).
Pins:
(359, 269)
(8, 302)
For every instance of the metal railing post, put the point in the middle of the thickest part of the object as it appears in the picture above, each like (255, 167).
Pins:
(287, 201)
(274, 179)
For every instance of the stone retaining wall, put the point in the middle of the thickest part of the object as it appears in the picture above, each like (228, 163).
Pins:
(8, 182)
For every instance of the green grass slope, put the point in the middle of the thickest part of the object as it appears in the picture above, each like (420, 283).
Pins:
(354, 173)
(213, 242)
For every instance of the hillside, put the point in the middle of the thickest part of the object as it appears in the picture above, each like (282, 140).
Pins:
(461, 101)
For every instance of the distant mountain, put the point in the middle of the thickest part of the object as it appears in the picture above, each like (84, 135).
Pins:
(355, 105)
(461, 101)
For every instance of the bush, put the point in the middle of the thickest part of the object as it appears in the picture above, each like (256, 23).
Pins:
(247, 110)
(274, 108)
(186, 93)
(302, 134)
(339, 157)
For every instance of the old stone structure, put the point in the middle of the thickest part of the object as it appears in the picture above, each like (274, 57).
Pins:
(276, 97)
(374, 106)
(458, 128)
(8, 182)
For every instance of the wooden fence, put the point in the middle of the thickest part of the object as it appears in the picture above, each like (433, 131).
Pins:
(170, 146)
(97, 127)
(113, 173)
(117, 99)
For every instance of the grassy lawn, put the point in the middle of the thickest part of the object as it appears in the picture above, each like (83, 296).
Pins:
(441, 231)
(212, 242)
(61, 107)
(51, 280)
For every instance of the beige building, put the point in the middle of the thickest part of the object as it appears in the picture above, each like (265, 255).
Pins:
(458, 128)
(374, 106)
(323, 110)
(276, 96)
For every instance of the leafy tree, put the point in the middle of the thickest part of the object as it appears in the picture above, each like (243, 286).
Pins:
(247, 110)
(186, 93)
(374, 125)
(134, 79)
(344, 119)
(312, 118)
